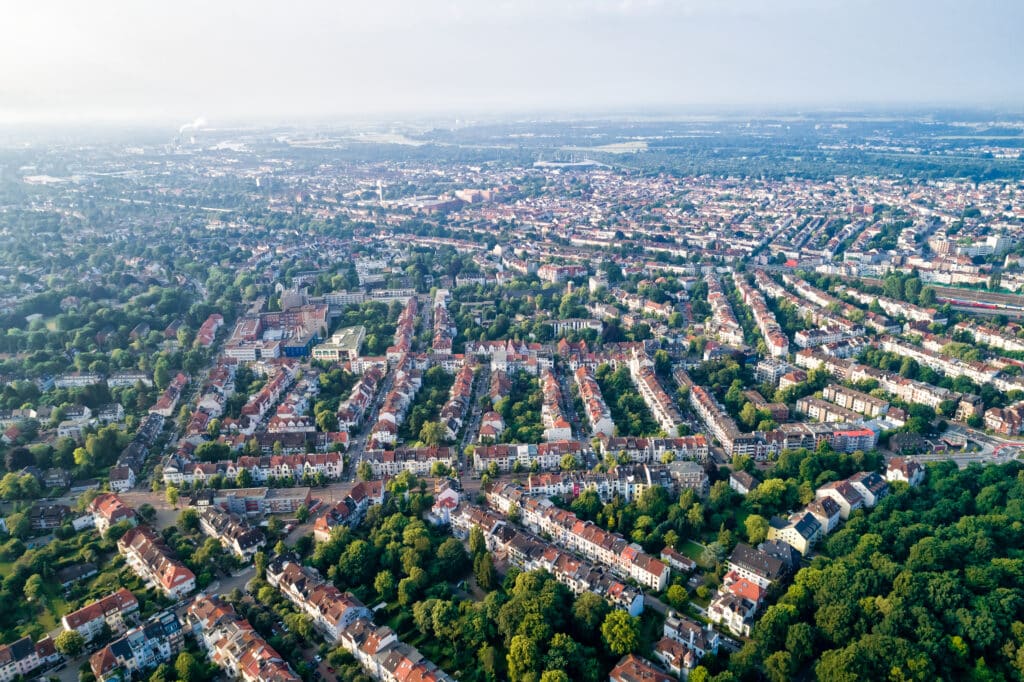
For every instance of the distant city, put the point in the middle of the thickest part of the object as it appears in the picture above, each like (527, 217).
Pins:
(704, 398)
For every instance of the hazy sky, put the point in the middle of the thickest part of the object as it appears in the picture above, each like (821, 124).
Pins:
(108, 59)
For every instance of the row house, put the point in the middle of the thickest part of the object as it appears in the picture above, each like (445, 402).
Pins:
(139, 650)
(454, 411)
(404, 331)
(115, 611)
(978, 372)
(855, 400)
(262, 401)
(651, 450)
(22, 657)
(995, 338)
(168, 400)
(598, 415)
(557, 274)
(500, 387)
(418, 461)
(824, 411)
(531, 553)
(723, 320)
(352, 411)
(891, 306)
(556, 426)
(542, 456)
(345, 621)
(207, 332)
(233, 645)
(774, 338)
(330, 609)
(233, 532)
(583, 537)
(661, 405)
(151, 559)
(397, 402)
(444, 324)
(626, 481)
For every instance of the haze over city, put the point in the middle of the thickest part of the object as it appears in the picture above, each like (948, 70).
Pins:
(520, 341)
(258, 61)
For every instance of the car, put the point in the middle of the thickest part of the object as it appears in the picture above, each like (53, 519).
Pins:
(318, 658)
(330, 670)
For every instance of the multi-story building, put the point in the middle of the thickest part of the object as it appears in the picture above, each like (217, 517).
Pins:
(140, 649)
(152, 560)
(22, 657)
(584, 537)
(113, 611)
(233, 645)
(231, 531)
(332, 611)
(598, 415)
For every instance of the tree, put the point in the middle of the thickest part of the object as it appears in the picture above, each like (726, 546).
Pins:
(589, 612)
(69, 643)
(187, 668)
(677, 596)
(384, 584)
(302, 514)
(484, 571)
(432, 433)
(172, 496)
(365, 471)
(779, 666)
(188, 519)
(34, 588)
(260, 562)
(523, 658)
(621, 633)
(757, 529)
(568, 462)
(477, 543)
(554, 676)
(451, 559)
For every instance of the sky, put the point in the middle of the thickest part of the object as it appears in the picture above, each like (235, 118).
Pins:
(125, 60)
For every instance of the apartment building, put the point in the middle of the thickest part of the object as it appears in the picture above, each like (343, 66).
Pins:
(115, 611)
(152, 560)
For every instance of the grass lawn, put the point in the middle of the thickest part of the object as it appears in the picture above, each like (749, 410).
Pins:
(695, 551)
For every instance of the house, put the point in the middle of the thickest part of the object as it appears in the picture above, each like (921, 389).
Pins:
(151, 559)
(108, 509)
(871, 486)
(734, 612)
(742, 482)
(755, 565)
(674, 656)
(122, 479)
(691, 634)
(113, 611)
(232, 643)
(906, 470)
(677, 561)
(632, 668)
(801, 531)
(47, 516)
(140, 649)
(72, 574)
(843, 494)
(828, 513)
(446, 499)
(21, 657)
(232, 532)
